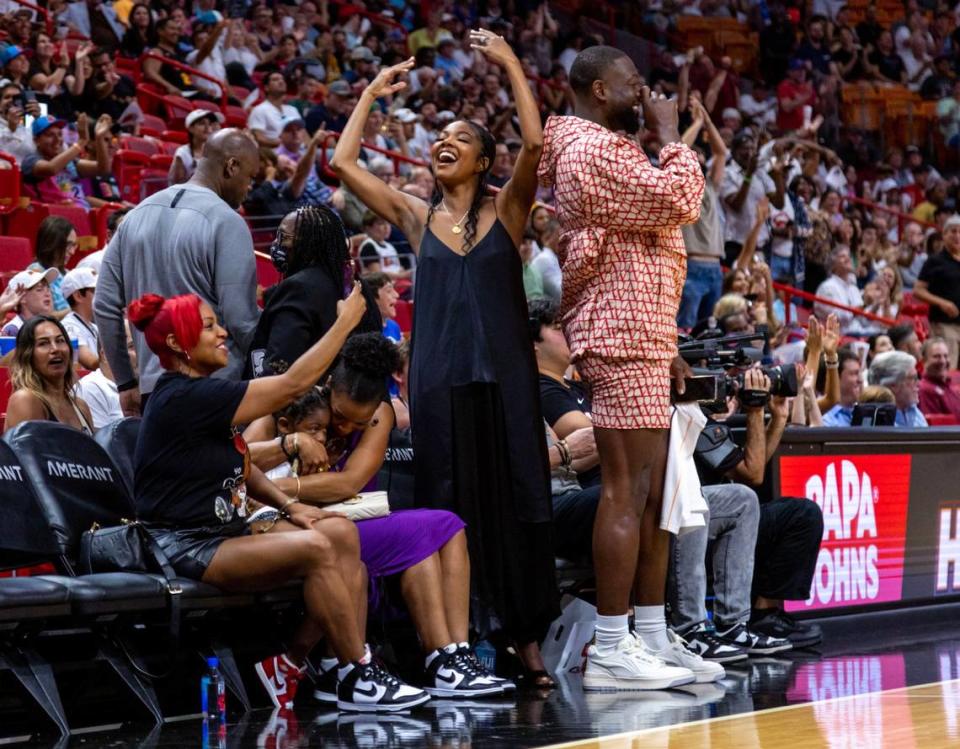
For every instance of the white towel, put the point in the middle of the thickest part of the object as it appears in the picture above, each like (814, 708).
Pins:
(683, 504)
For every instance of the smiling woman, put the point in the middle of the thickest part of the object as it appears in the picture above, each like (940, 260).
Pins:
(478, 437)
(43, 378)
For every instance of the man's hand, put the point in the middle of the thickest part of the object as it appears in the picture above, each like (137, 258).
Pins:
(13, 117)
(130, 402)
(581, 443)
(755, 379)
(83, 131)
(780, 407)
(949, 308)
(679, 370)
(814, 341)
(660, 115)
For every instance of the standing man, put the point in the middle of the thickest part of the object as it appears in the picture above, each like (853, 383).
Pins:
(624, 267)
(939, 286)
(186, 239)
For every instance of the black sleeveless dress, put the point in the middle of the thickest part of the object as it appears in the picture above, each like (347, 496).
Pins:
(478, 435)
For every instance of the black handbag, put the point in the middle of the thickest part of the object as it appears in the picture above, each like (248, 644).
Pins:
(716, 452)
(131, 548)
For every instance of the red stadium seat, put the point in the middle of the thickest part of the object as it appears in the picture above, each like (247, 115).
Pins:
(161, 161)
(267, 274)
(174, 136)
(235, 116)
(127, 168)
(9, 185)
(150, 98)
(16, 253)
(100, 216)
(143, 145)
(152, 125)
(25, 221)
(941, 420)
(169, 147)
(75, 215)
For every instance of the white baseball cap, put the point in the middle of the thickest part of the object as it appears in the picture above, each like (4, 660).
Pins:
(199, 114)
(31, 277)
(406, 116)
(77, 280)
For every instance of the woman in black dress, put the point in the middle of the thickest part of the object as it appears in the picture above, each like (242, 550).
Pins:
(478, 434)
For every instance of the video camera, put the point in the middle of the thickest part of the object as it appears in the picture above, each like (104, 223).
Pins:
(718, 362)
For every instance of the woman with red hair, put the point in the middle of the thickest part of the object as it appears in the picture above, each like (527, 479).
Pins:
(194, 475)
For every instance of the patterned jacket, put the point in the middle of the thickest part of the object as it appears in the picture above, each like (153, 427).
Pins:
(621, 250)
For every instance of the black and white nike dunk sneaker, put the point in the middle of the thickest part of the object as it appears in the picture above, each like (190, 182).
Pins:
(465, 651)
(369, 688)
(450, 674)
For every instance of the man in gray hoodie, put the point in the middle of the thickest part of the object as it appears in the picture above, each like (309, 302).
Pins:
(186, 239)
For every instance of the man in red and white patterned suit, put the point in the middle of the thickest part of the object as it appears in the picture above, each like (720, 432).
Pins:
(624, 265)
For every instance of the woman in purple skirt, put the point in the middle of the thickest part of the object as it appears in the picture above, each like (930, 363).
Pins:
(338, 434)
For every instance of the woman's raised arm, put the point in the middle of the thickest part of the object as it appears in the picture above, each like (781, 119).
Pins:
(402, 210)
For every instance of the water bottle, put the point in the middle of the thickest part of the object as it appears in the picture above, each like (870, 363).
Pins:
(213, 705)
(487, 655)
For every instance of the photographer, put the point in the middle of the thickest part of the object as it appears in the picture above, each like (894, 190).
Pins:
(15, 138)
(730, 531)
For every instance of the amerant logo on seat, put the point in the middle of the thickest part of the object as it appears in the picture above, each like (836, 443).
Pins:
(864, 500)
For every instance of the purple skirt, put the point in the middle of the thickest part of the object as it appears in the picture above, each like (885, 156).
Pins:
(392, 544)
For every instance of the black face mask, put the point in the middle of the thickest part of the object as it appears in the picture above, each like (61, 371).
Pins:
(278, 254)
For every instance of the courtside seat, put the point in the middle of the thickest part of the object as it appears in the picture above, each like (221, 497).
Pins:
(119, 439)
(32, 598)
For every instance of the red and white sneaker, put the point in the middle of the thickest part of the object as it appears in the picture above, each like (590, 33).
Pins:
(280, 678)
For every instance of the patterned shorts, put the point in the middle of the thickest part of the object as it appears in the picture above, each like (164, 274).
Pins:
(628, 394)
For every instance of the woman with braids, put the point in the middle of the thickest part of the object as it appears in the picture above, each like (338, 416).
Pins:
(477, 430)
(43, 379)
(425, 549)
(194, 477)
(312, 253)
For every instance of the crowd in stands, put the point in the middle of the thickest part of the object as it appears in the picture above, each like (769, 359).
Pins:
(839, 251)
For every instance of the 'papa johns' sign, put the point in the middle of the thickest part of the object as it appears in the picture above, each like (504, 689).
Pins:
(864, 500)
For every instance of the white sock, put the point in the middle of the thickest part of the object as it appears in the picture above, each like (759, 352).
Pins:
(328, 664)
(610, 631)
(452, 647)
(650, 622)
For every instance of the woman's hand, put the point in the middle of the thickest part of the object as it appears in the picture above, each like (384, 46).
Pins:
(102, 128)
(494, 48)
(312, 454)
(353, 307)
(306, 515)
(385, 84)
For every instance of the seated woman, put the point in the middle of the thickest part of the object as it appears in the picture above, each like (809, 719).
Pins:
(43, 379)
(193, 478)
(351, 419)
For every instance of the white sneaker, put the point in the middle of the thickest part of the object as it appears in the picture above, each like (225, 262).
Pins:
(677, 654)
(631, 667)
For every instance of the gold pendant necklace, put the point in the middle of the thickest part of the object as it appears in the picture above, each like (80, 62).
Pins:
(456, 226)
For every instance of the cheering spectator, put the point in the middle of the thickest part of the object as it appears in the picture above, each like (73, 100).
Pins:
(52, 173)
(704, 239)
(851, 383)
(141, 33)
(743, 187)
(171, 79)
(937, 396)
(43, 378)
(939, 286)
(898, 372)
(795, 98)
(376, 253)
(35, 300)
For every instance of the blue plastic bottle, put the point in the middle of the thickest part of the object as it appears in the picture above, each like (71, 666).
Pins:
(487, 655)
(213, 705)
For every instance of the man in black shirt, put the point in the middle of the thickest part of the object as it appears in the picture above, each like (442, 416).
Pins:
(565, 403)
(939, 286)
(333, 113)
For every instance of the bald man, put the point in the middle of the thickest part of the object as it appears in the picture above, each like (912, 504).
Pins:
(187, 239)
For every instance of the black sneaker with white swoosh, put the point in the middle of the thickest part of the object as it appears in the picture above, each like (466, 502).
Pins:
(368, 687)
(451, 674)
